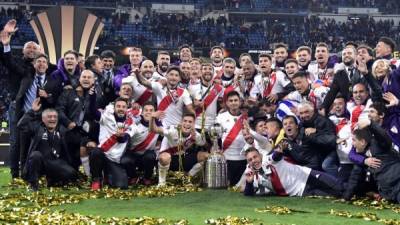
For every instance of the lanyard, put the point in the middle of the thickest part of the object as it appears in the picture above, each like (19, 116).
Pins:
(203, 95)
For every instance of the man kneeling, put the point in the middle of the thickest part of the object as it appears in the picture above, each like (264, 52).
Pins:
(273, 175)
(179, 142)
(48, 153)
(115, 130)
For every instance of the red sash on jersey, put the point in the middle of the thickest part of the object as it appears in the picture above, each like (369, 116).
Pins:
(111, 141)
(189, 141)
(276, 182)
(268, 89)
(144, 97)
(133, 112)
(143, 145)
(237, 127)
(355, 114)
(212, 94)
(341, 124)
(167, 100)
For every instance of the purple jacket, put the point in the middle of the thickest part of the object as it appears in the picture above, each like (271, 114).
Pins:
(62, 74)
(392, 117)
(123, 71)
(355, 157)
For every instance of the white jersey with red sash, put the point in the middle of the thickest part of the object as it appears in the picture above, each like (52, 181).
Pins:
(171, 102)
(108, 141)
(317, 73)
(141, 94)
(263, 85)
(358, 112)
(172, 140)
(142, 140)
(281, 178)
(266, 85)
(232, 137)
(315, 96)
(209, 96)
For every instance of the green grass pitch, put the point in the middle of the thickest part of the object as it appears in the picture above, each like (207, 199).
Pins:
(196, 207)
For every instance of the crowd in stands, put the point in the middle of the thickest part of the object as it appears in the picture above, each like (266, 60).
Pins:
(160, 30)
(328, 6)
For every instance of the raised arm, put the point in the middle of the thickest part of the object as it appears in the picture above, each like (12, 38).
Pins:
(142, 80)
(9, 61)
(376, 88)
(260, 138)
(26, 123)
(153, 126)
(331, 95)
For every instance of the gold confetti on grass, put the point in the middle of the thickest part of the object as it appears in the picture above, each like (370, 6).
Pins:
(231, 220)
(21, 207)
(368, 216)
(372, 204)
(278, 210)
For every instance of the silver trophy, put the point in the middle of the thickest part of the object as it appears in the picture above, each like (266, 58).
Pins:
(215, 175)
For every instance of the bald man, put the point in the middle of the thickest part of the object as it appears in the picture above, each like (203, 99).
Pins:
(75, 107)
(141, 93)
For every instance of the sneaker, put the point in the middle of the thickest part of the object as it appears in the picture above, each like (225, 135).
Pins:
(161, 184)
(96, 185)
